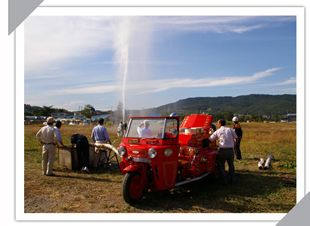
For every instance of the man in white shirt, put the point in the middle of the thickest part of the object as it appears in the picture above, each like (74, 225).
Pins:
(49, 136)
(226, 137)
(143, 129)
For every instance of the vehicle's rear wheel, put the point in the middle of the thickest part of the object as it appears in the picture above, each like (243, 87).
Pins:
(132, 189)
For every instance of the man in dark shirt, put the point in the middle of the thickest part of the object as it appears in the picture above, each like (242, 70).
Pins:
(82, 148)
(238, 131)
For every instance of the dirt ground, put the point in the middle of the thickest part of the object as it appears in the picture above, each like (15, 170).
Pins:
(256, 191)
(100, 192)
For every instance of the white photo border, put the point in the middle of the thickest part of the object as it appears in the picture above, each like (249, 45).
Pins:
(155, 11)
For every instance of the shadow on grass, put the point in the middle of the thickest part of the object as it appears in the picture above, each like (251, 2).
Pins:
(93, 176)
(202, 196)
(82, 177)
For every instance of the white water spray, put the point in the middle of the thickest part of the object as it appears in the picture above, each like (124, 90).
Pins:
(124, 84)
(131, 43)
(122, 54)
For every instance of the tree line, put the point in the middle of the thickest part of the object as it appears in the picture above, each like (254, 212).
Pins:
(88, 109)
(41, 111)
(29, 110)
(228, 115)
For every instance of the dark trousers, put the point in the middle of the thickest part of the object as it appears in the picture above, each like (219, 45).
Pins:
(223, 156)
(237, 149)
(82, 150)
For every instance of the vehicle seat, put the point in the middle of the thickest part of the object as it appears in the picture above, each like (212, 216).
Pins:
(167, 135)
(183, 164)
(186, 152)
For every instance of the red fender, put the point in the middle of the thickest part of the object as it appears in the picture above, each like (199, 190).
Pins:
(135, 167)
(142, 169)
(122, 166)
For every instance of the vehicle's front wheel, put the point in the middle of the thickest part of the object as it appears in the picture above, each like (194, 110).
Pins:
(132, 189)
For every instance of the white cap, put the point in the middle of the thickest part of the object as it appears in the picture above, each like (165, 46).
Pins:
(50, 120)
(235, 119)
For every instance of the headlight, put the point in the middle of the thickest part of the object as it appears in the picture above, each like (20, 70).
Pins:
(152, 153)
(168, 152)
(121, 150)
(211, 131)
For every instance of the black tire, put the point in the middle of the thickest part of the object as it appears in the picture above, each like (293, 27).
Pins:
(130, 188)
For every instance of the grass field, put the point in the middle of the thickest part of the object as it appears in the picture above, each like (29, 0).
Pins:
(256, 191)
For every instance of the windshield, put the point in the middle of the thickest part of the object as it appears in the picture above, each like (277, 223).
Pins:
(158, 128)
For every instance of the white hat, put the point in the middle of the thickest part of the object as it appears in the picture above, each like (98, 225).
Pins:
(50, 120)
(235, 119)
(146, 122)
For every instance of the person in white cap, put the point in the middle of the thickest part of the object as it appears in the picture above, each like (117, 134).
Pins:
(238, 131)
(50, 137)
(143, 129)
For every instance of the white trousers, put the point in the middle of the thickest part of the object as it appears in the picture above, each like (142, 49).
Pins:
(48, 158)
(96, 155)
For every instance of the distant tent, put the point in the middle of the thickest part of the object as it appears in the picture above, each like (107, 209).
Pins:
(96, 117)
(153, 115)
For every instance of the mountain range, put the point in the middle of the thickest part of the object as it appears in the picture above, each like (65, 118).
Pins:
(257, 104)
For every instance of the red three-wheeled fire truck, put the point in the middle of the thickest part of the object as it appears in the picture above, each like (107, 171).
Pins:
(159, 154)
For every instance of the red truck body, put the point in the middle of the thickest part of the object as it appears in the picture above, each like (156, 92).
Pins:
(171, 155)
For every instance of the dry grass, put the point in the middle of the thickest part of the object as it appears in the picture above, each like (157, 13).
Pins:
(256, 191)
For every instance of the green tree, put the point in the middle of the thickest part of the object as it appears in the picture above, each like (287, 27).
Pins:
(46, 110)
(276, 118)
(27, 113)
(228, 115)
(218, 116)
(259, 118)
(252, 117)
(87, 111)
(36, 111)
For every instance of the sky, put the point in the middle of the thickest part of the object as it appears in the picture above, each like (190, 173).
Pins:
(150, 61)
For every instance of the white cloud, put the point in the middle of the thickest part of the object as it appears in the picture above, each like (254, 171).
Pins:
(162, 85)
(70, 104)
(154, 86)
(87, 90)
(54, 41)
(265, 73)
(291, 81)
(141, 62)
(242, 29)
(222, 24)
(289, 90)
